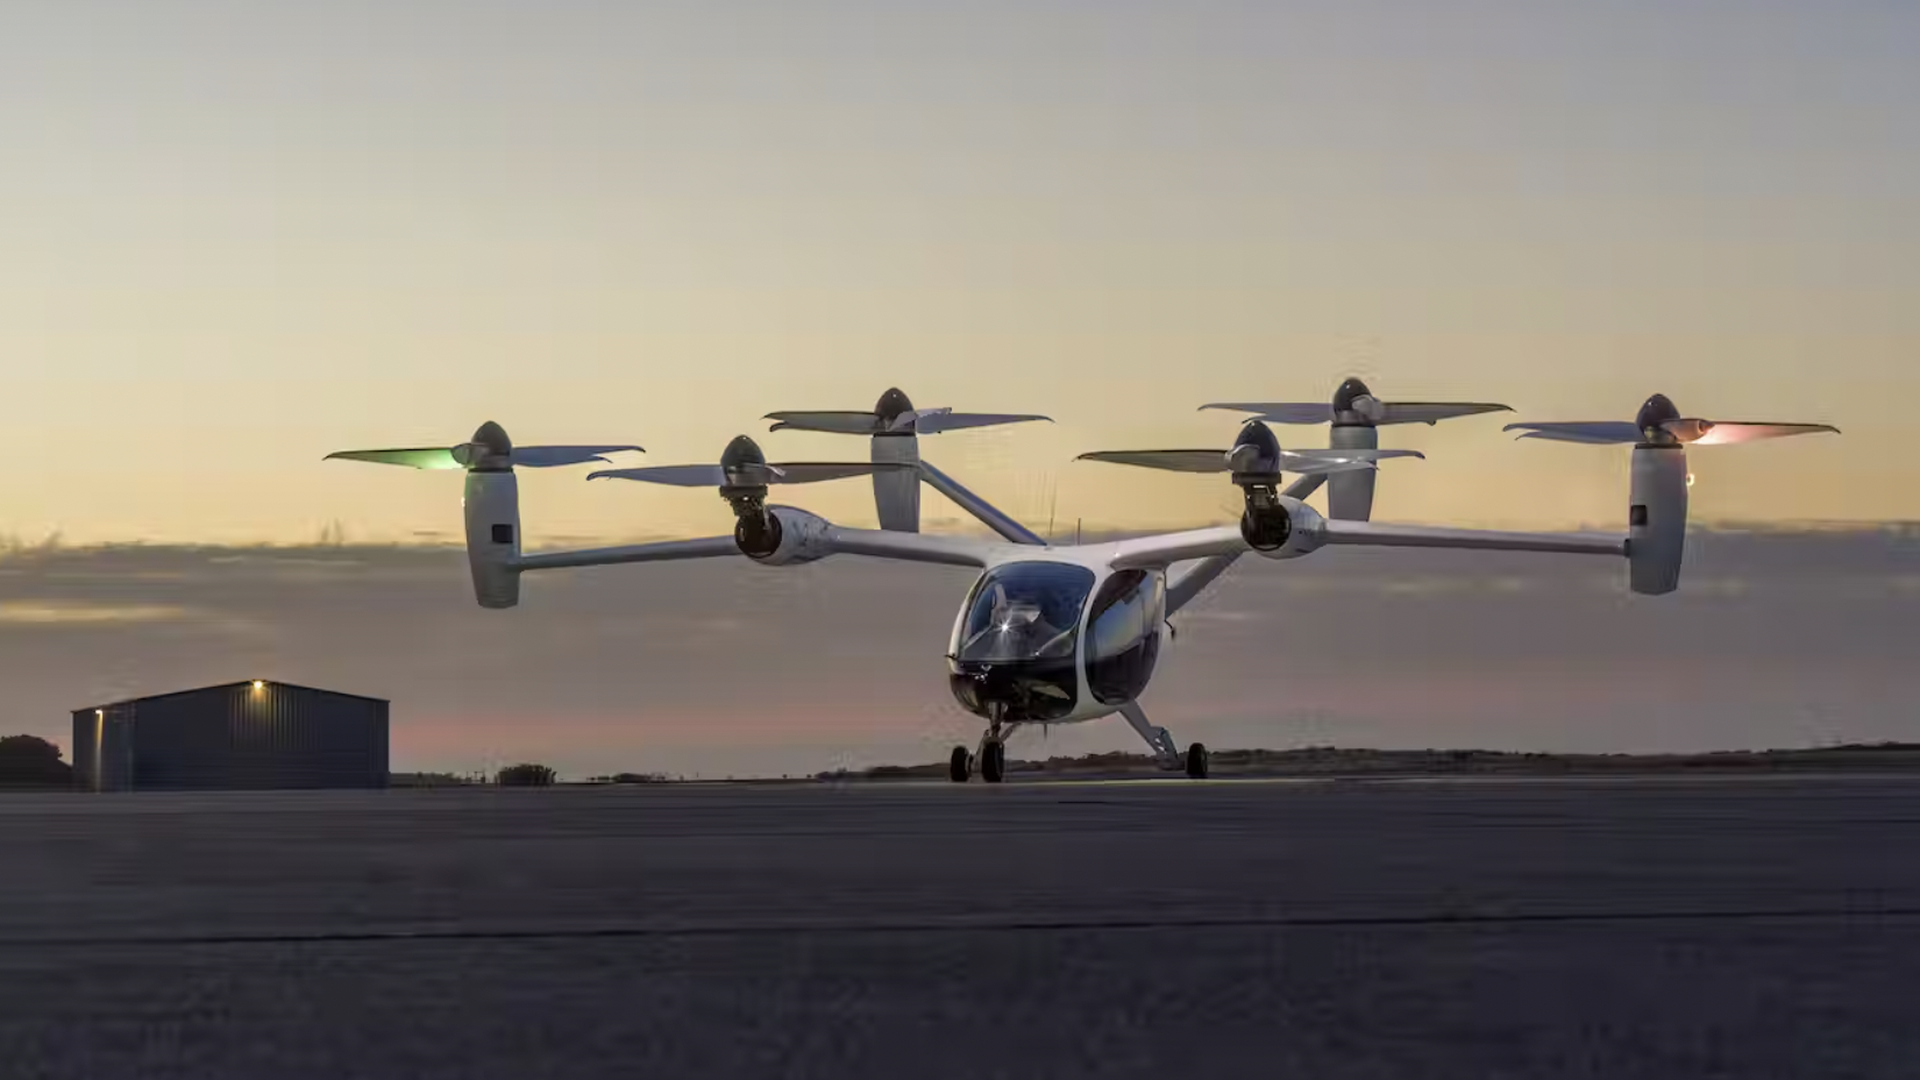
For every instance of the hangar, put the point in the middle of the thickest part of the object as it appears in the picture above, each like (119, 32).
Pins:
(254, 735)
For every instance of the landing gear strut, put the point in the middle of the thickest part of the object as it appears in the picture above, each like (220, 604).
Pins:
(1166, 753)
(993, 746)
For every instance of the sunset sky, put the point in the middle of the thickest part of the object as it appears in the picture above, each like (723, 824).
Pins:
(236, 235)
(239, 234)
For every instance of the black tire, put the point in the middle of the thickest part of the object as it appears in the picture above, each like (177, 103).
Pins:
(993, 761)
(1197, 761)
(960, 765)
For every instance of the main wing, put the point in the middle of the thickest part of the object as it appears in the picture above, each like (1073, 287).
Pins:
(1158, 552)
(807, 538)
(711, 547)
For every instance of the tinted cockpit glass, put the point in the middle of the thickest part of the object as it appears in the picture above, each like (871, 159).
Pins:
(1123, 635)
(1025, 611)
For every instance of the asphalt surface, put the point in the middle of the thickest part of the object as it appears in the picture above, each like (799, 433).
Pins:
(1663, 928)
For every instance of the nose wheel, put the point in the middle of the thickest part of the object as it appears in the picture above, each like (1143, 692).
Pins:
(993, 760)
(990, 759)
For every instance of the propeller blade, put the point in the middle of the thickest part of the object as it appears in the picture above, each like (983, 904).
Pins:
(1586, 431)
(1306, 461)
(1280, 412)
(1337, 454)
(432, 457)
(1428, 412)
(933, 422)
(547, 457)
(1194, 461)
(813, 472)
(676, 475)
(1725, 432)
(1298, 462)
(838, 422)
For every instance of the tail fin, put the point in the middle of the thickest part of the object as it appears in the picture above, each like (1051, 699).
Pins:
(493, 537)
(1657, 518)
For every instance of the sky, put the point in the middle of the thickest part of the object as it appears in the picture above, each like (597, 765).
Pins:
(236, 235)
(240, 234)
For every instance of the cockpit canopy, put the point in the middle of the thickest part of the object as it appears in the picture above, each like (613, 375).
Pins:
(1024, 611)
(1017, 653)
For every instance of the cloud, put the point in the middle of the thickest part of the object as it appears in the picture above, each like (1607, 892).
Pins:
(724, 667)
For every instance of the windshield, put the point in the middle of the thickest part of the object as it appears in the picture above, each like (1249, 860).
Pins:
(1025, 611)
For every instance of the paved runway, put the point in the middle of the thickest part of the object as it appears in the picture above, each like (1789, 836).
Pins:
(1603, 929)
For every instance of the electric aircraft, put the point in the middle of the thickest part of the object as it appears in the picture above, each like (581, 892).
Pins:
(1048, 633)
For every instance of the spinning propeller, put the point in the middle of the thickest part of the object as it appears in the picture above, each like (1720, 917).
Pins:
(1354, 405)
(893, 415)
(489, 450)
(1660, 424)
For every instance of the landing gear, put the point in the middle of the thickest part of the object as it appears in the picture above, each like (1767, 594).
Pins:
(960, 765)
(992, 756)
(1166, 752)
(993, 761)
(1197, 761)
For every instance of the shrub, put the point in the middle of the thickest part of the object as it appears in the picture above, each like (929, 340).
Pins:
(524, 775)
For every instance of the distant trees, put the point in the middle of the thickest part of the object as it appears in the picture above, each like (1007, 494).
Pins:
(524, 775)
(430, 780)
(30, 762)
(629, 778)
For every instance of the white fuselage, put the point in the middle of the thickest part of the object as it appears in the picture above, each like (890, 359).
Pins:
(1100, 659)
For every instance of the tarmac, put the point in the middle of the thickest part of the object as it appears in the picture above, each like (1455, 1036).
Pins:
(1752, 928)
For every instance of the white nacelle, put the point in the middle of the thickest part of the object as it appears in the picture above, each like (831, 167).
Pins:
(896, 491)
(1657, 518)
(1350, 494)
(492, 505)
(1306, 531)
(802, 538)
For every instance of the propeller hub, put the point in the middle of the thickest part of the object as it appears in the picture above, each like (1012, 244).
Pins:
(493, 439)
(1349, 392)
(741, 452)
(1255, 457)
(489, 451)
(892, 405)
(1656, 411)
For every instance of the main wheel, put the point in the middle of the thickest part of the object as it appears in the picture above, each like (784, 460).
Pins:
(993, 761)
(1197, 761)
(960, 765)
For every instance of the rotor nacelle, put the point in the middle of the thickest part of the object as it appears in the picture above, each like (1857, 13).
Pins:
(893, 427)
(783, 536)
(491, 500)
(1279, 527)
